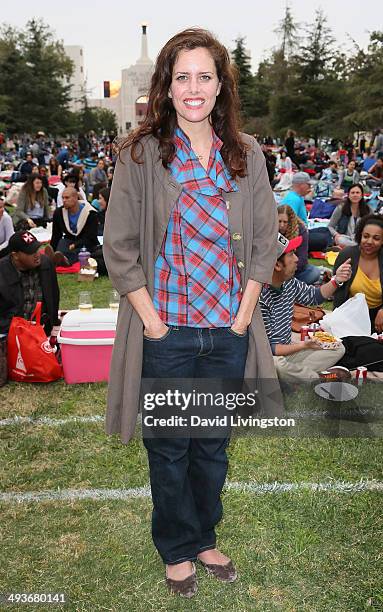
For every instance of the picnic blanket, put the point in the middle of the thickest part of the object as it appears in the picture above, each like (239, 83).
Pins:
(73, 269)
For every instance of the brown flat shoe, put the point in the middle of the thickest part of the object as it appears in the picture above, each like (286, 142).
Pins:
(226, 573)
(186, 587)
(60, 260)
(49, 252)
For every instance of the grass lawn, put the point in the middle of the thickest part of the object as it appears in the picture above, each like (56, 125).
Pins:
(301, 550)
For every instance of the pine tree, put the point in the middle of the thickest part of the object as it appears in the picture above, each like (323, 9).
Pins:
(245, 77)
(317, 51)
(287, 31)
(313, 88)
(34, 74)
(364, 78)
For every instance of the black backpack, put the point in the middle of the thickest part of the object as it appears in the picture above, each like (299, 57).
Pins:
(362, 351)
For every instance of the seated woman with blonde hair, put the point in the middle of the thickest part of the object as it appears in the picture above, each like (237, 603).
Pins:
(291, 226)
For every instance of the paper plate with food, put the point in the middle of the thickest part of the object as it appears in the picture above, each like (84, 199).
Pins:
(326, 340)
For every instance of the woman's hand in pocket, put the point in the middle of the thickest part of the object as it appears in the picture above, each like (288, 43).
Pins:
(156, 331)
(239, 329)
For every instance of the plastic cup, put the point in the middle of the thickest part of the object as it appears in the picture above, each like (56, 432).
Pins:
(114, 300)
(85, 301)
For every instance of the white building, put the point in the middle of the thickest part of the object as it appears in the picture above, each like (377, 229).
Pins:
(77, 81)
(130, 104)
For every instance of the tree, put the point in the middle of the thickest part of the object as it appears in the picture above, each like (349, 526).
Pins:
(364, 78)
(107, 121)
(274, 74)
(261, 94)
(288, 31)
(314, 87)
(94, 119)
(317, 50)
(246, 79)
(34, 73)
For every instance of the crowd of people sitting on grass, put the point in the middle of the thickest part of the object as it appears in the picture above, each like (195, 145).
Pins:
(63, 187)
(330, 201)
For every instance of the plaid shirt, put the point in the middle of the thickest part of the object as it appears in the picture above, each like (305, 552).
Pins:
(196, 280)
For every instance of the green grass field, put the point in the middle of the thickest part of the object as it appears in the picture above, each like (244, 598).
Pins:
(309, 550)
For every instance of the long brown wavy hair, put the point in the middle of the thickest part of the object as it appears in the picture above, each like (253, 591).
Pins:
(364, 208)
(32, 195)
(294, 223)
(161, 121)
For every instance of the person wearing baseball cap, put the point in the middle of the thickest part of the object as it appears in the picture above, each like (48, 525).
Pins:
(27, 277)
(301, 361)
(295, 198)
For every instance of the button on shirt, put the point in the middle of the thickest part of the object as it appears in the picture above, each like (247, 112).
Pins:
(197, 282)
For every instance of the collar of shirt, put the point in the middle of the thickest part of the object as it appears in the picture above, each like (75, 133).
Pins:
(187, 169)
(277, 290)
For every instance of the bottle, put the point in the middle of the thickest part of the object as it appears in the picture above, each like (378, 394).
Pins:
(53, 337)
(305, 332)
(83, 257)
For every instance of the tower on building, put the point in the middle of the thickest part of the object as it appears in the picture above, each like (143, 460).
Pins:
(77, 80)
(131, 103)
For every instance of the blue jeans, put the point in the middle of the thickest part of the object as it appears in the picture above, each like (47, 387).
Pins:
(63, 247)
(187, 475)
(309, 275)
(319, 239)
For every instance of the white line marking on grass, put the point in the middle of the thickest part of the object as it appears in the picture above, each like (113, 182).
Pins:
(20, 420)
(75, 494)
(242, 487)
(334, 486)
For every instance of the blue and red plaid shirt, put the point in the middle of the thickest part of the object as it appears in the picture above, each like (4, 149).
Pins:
(196, 279)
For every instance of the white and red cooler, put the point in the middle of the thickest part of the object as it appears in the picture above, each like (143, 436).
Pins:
(86, 340)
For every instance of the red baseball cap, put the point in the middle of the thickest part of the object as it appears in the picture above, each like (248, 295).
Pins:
(286, 246)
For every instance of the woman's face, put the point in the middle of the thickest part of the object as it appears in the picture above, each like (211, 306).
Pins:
(283, 222)
(37, 184)
(355, 195)
(194, 86)
(102, 202)
(351, 166)
(372, 240)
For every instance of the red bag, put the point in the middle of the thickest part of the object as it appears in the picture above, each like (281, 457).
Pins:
(30, 356)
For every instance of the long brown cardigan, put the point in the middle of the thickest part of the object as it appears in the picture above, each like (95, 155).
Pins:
(142, 198)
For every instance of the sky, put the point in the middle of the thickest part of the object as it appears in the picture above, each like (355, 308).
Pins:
(110, 33)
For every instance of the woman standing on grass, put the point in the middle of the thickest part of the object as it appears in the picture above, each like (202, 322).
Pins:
(188, 243)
